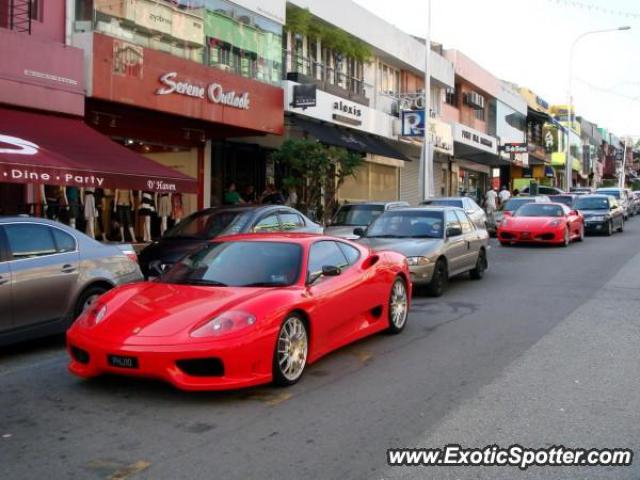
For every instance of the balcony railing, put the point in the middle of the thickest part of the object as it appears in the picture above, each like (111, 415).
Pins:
(327, 78)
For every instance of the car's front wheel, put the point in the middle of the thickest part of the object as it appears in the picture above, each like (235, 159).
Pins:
(292, 348)
(621, 227)
(610, 228)
(398, 306)
(581, 234)
(87, 298)
(439, 280)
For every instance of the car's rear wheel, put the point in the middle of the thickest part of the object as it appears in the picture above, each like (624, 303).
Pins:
(621, 228)
(610, 228)
(292, 347)
(398, 306)
(88, 298)
(440, 279)
(505, 244)
(481, 265)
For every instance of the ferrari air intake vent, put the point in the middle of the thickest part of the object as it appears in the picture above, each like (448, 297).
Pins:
(79, 355)
(202, 367)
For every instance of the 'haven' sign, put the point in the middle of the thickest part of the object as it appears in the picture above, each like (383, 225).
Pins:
(214, 92)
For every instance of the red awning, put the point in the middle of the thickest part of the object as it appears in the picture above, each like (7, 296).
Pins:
(55, 150)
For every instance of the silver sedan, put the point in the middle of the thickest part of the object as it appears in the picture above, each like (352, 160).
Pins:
(439, 243)
(50, 273)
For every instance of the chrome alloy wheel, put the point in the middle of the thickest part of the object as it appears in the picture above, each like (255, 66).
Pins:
(398, 304)
(88, 303)
(293, 346)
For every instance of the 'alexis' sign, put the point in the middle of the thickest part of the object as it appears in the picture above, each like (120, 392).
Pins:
(214, 92)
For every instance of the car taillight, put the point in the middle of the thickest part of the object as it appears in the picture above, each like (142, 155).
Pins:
(131, 254)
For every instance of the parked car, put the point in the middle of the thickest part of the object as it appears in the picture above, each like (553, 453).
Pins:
(353, 215)
(242, 311)
(197, 229)
(50, 274)
(621, 196)
(439, 242)
(567, 199)
(602, 213)
(474, 210)
(511, 206)
(635, 197)
(582, 190)
(634, 204)
(544, 190)
(553, 223)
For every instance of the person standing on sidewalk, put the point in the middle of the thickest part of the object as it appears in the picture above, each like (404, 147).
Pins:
(491, 204)
(504, 195)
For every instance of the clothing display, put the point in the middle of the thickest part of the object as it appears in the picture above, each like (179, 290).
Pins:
(177, 210)
(147, 204)
(73, 197)
(124, 215)
(90, 210)
(123, 197)
(164, 205)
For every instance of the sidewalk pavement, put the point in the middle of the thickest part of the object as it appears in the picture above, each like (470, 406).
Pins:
(577, 387)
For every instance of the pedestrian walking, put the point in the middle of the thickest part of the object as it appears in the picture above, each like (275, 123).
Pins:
(504, 195)
(491, 204)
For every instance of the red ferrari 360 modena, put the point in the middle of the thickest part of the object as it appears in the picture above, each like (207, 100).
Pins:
(552, 223)
(243, 311)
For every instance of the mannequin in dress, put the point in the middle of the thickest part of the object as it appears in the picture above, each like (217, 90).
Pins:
(177, 210)
(74, 201)
(123, 205)
(90, 211)
(164, 210)
(147, 207)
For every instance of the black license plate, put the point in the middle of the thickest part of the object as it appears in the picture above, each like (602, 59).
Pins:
(122, 362)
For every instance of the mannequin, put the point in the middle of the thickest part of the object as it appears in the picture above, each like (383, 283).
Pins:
(90, 212)
(43, 202)
(123, 205)
(177, 210)
(164, 210)
(105, 212)
(74, 201)
(51, 201)
(147, 207)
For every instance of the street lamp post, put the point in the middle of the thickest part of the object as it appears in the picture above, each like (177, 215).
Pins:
(426, 180)
(568, 164)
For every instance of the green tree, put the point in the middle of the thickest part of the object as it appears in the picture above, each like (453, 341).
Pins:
(315, 171)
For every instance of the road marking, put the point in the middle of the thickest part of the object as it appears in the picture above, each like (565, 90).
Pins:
(271, 399)
(130, 470)
(363, 355)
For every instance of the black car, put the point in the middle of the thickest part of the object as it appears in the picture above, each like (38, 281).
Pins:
(567, 199)
(204, 225)
(602, 213)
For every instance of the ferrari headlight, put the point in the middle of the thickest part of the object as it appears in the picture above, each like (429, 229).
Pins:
(227, 322)
(555, 223)
(418, 261)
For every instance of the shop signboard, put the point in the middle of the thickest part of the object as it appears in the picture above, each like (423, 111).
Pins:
(177, 86)
(474, 138)
(304, 96)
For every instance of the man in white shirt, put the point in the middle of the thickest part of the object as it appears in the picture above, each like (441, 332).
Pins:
(491, 204)
(504, 195)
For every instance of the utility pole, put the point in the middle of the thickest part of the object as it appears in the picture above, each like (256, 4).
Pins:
(426, 180)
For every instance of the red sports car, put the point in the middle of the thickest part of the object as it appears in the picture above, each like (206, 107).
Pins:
(243, 311)
(553, 223)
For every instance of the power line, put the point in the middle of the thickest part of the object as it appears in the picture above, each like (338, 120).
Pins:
(595, 8)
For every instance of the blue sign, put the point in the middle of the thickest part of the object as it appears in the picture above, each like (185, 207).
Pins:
(413, 123)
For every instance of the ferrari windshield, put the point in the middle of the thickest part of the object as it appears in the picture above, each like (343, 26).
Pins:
(515, 203)
(592, 203)
(210, 224)
(407, 224)
(445, 202)
(540, 210)
(239, 264)
(357, 215)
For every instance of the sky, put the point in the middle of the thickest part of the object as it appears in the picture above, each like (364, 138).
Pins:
(528, 42)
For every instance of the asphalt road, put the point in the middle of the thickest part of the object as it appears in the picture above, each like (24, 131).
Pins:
(485, 363)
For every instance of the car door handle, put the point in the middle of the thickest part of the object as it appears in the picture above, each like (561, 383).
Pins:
(68, 269)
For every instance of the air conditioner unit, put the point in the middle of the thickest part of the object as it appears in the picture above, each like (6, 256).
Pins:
(82, 26)
(474, 100)
(223, 66)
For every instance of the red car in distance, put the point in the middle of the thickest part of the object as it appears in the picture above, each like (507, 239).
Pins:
(242, 311)
(552, 223)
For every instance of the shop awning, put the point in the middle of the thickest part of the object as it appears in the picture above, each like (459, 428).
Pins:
(56, 150)
(348, 138)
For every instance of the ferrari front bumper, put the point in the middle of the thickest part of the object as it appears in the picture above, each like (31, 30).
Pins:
(521, 236)
(231, 365)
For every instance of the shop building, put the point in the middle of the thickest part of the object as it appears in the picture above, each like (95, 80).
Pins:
(467, 108)
(592, 161)
(178, 81)
(562, 130)
(50, 160)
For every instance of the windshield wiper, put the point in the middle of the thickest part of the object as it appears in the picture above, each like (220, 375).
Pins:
(423, 236)
(208, 283)
(265, 284)
(384, 236)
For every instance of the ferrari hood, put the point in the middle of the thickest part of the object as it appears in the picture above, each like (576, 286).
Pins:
(530, 223)
(412, 247)
(163, 310)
